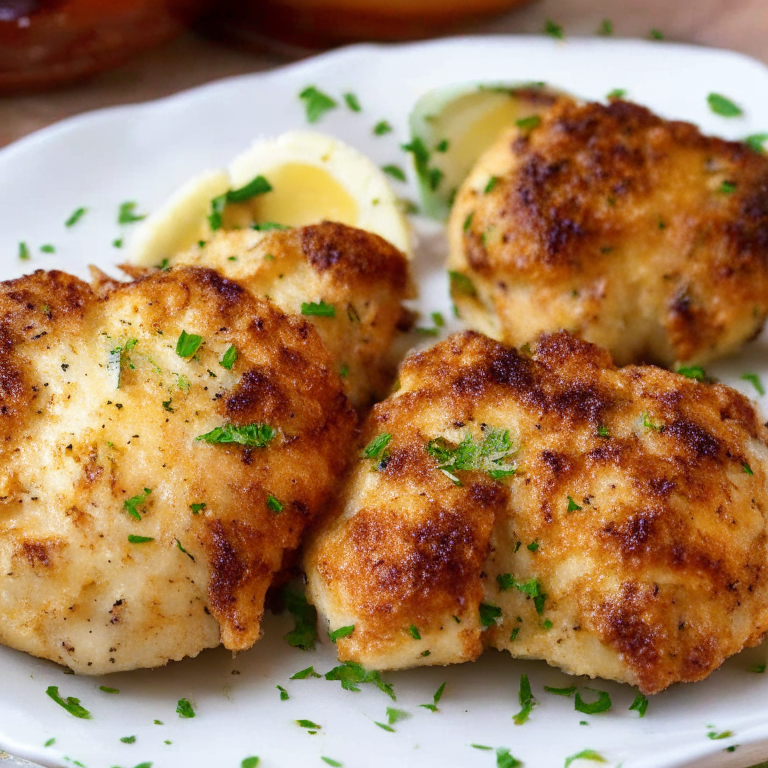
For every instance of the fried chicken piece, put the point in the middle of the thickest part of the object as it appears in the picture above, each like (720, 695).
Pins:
(609, 521)
(126, 538)
(356, 275)
(636, 233)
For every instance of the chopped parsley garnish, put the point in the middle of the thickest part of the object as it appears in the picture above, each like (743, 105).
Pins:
(414, 632)
(331, 761)
(376, 449)
(754, 379)
(442, 146)
(75, 217)
(351, 675)
(304, 674)
(126, 214)
(528, 123)
(50, 742)
(107, 689)
(585, 754)
(480, 746)
(492, 182)
(128, 739)
(316, 103)
(304, 633)
(486, 456)
(602, 431)
(758, 669)
(167, 405)
(265, 226)
(489, 614)
(573, 506)
(527, 701)
(434, 177)
(515, 633)
(344, 371)
(48, 248)
(746, 468)
(505, 760)
(337, 634)
(320, 309)
(756, 141)
(553, 30)
(197, 507)
(283, 693)
(273, 504)
(639, 705)
(468, 221)
(394, 715)
(229, 358)
(139, 539)
(649, 424)
(71, 704)
(252, 435)
(505, 581)
(533, 546)
(381, 128)
(256, 186)
(249, 762)
(603, 703)
(438, 319)
(617, 93)
(384, 726)
(723, 106)
(23, 252)
(181, 549)
(309, 724)
(351, 101)
(131, 505)
(435, 699)
(561, 691)
(461, 283)
(656, 34)
(606, 28)
(184, 708)
(727, 188)
(715, 736)
(693, 372)
(395, 171)
(187, 344)
(117, 243)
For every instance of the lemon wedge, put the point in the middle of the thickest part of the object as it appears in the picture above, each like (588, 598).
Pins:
(452, 126)
(298, 178)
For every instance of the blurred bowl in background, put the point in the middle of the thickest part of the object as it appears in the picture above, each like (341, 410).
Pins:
(316, 24)
(45, 43)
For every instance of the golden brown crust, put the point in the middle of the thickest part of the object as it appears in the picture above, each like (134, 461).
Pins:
(77, 443)
(639, 506)
(638, 233)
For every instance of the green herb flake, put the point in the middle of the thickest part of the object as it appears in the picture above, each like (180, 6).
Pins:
(505, 760)
(352, 102)
(533, 546)
(656, 34)
(514, 634)
(251, 435)
(187, 344)
(117, 243)
(585, 754)
(337, 634)
(606, 28)
(128, 739)
(23, 252)
(184, 709)
(304, 633)
(414, 632)
(309, 724)
(250, 762)
(382, 128)
(617, 93)
(384, 726)
(351, 674)
(461, 283)
(480, 746)
(434, 177)
(139, 539)
(746, 468)
(50, 742)
(573, 506)
(435, 699)
(331, 761)
(181, 549)
(756, 142)
(438, 319)
(71, 704)
(527, 701)
(273, 504)
(603, 703)
(692, 372)
(715, 736)
(648, 423)
(602, 431)
(75, 217)
(376, 448)
(131, 505)
(528, 123)
(639, 705)
(395, 171)
(468, 221)
(754, 379)
(489, 614)
(505, 581)
(492, 182)
(256, 186)
(442, 146)
(727, 188)
(265, 226)
(554, 30)
(197, 507)
(283, 693)
(487, 455)
(758, 669)
(395, 715)
(126, 214)
(569, 691)
(48, 248)
(304, 674)
(723, 106)
(229, 358)
(316, 103)
(318, 309)
(107, 689)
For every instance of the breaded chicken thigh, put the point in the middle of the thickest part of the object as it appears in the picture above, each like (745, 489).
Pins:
(609, 521)
(162, 448)
(634, 232)
(352, 282)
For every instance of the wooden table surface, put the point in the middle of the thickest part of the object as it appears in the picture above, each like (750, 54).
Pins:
(190, 60)
(740, 25)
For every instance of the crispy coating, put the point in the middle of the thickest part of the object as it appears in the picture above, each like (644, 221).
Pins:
(359, 273)
(630, 543)
(76, 447)
(637, 233)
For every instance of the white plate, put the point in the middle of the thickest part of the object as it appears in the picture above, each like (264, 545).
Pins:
(143, 153)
